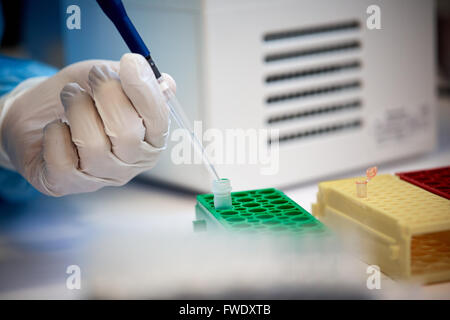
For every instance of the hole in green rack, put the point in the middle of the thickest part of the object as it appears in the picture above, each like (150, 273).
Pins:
(271, 222)
(301, 218)
(245, 199)
(293, 213)
(258, 210)
(279, 202)
(235, 219)
(250, 205)
(264, 216)
(284, 207)
(309, 225)
(267, 191)
(274, 196)
(239, 194)
(228, 213)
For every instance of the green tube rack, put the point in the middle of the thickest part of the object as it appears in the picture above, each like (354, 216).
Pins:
(261, 211)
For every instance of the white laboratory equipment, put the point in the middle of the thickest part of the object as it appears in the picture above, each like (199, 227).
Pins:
(342, 95)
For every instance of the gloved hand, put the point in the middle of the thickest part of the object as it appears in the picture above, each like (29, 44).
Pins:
(93, 124)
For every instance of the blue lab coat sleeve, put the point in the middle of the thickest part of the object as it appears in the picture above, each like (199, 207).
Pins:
(13, 187)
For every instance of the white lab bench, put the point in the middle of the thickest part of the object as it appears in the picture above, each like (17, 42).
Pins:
(38, 240)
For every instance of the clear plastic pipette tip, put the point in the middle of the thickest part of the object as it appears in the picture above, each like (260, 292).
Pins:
(183, 122)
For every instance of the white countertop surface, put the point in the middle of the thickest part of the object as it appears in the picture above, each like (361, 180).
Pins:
(39, 239)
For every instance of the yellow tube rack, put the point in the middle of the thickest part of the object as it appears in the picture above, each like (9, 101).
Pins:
(403, 229)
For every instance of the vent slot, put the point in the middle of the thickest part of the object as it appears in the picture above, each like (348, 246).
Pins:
(294, 33)
(318, 68)
(343, 46)
(312, 92)
(332, 68)
(326, 110)
(323, 130)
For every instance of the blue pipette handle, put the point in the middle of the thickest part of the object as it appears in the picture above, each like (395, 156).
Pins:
(115, 11)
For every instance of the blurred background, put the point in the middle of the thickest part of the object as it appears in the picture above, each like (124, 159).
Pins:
(33, 33)
(343, 97)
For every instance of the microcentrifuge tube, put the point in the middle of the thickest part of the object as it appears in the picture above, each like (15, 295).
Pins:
(361, 186)
(222, 194)
(361, 189)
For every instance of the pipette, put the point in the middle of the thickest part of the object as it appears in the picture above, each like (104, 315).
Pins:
(115, 11)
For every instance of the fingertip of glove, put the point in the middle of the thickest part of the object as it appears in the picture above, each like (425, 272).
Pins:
(101, 73)
(54, 132)
(134, 59)
(134, 68)
(69, 92)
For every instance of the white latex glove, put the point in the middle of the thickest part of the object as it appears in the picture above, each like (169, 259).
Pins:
(93, 124)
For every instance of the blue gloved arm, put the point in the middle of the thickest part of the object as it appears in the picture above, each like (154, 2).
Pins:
(13, 187)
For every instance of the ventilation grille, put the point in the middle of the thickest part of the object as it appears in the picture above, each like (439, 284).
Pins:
(324, 89)
(320, 131)
(318, 111)
(298, 53)
(317, 30)
(312, 79)
(321, 70)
